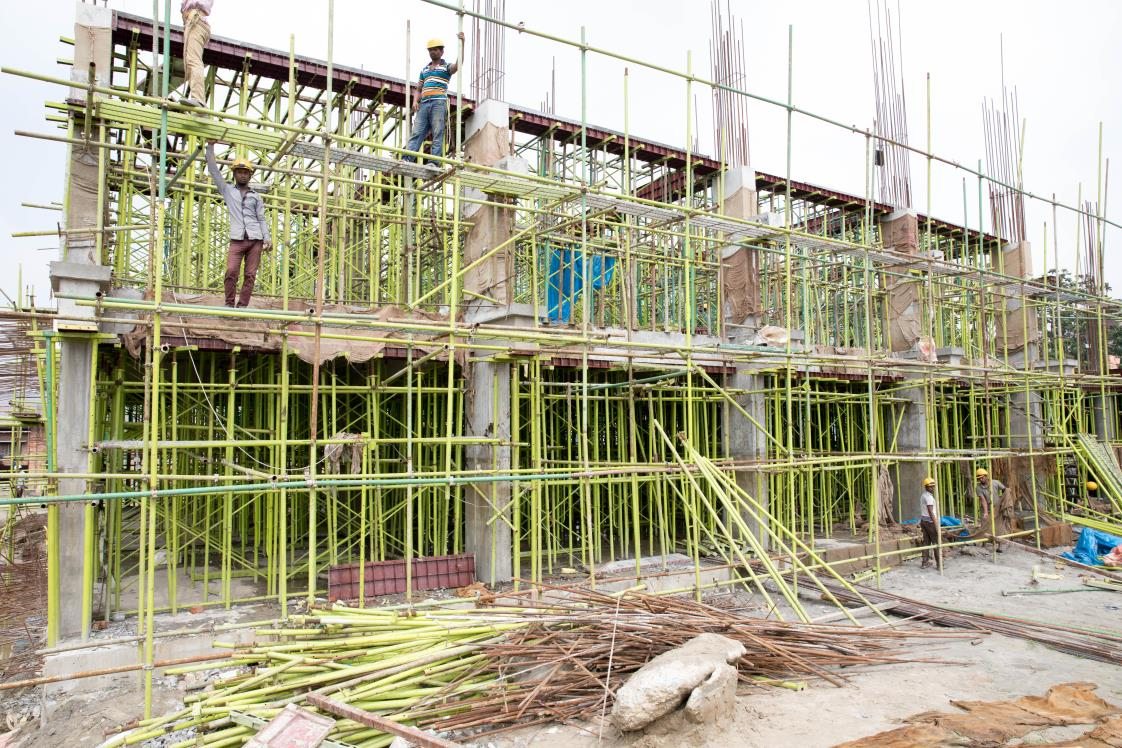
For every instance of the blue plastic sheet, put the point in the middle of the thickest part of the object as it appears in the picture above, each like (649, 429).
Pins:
(566, 280)
(1091, 546)
(945, 521)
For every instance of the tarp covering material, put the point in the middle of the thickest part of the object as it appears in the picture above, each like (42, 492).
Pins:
(1091, 545)
(741, 283)
(566, 279)
(261, 335)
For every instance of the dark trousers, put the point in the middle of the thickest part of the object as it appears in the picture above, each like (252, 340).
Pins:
(931, 538)
(250, 251)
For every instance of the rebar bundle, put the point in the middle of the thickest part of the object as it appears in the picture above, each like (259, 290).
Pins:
(892, 155)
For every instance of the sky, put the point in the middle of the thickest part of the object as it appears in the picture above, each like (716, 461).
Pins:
(1065, 63)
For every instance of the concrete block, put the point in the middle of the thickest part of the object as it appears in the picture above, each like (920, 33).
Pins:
(93, 16)
(119, 655)
(78, 279)
(490, 111)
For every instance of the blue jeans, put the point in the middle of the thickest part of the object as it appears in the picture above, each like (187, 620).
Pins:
(431, 116)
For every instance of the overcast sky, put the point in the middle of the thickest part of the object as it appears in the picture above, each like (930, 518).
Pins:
(1065, 62)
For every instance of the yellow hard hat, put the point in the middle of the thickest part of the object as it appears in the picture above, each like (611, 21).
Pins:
(981, 473)
(928, 481)
(1092, 486)
(243, 163)
(432, 43)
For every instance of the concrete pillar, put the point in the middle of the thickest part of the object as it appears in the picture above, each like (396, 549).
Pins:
(745, 441)
(487, 411)
(900, 233)
(487, 402)
(487, 140)
(79, 273)
(740, 266)
(1019, 333)
(912, 439)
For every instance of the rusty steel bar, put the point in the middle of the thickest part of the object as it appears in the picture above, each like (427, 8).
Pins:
(412, 734)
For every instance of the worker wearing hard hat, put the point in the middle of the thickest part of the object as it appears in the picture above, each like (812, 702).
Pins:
(196, 34)
(1092, 490)
(430, 102)
(988, 491)
(249, 232)
(929, 525)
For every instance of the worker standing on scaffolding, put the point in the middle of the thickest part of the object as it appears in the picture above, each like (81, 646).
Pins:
(929, 525)
(196, 34)
(249, 232)
(430, 102)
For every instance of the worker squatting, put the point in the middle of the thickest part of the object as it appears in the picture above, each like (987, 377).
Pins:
(249, 233)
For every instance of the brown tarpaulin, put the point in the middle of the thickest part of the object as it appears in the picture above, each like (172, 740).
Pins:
(991, 723)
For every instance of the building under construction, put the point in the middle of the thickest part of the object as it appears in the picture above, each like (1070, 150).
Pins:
(562, 346)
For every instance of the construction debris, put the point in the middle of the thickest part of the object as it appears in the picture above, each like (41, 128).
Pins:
(478, 671)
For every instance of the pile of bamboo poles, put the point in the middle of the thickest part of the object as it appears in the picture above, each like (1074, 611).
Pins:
(477, 671)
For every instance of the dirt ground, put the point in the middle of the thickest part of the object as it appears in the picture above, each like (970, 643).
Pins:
(988, 668)
(985, 668)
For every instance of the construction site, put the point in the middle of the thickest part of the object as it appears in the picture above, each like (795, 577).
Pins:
(504, 432)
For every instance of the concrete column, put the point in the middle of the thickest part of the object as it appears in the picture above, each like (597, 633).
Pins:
(487, 140)
(746, 441)
(487, 406)
(900, 233)
(740, 265)
(1019, 334)
(73, 398)
(740, 268)
(487, 401)
(79, 273)
(912, 438)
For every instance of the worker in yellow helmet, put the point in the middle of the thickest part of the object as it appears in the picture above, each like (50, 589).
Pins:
(929, 525)
(196, 34)
(430, 102)
(249, 230)
(988, 491)
(1092, 490)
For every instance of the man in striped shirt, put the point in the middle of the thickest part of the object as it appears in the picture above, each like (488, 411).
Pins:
(430, 103)
(196, 34)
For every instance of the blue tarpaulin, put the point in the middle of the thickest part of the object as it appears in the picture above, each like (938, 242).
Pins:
(1091, 545)
(566, 280)
(944, 521)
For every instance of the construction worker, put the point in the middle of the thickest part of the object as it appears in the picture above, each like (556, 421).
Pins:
(1092, 490)
(929, 525)
(196, 34)
(988, 491)
(249, 233)
(430, 102)
(20, 483)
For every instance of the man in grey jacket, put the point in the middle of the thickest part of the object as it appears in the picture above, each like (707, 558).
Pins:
(249, 232)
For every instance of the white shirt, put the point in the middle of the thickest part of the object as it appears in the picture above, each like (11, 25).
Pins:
(928, 500)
